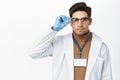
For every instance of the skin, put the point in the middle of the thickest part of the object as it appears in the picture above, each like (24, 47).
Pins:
(80, 28)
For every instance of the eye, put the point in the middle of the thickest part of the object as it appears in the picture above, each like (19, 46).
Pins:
(84, 19)
(75, 19)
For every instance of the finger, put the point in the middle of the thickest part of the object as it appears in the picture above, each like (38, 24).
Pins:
(64, 18)
(68, 20)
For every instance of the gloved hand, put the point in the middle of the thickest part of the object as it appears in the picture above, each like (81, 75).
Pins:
(61, 22)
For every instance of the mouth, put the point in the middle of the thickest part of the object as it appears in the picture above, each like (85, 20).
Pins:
(80, 29)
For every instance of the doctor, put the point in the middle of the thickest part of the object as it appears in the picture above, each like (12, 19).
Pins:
(80, 55)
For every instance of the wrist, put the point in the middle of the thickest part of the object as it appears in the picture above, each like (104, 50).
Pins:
(54, 28)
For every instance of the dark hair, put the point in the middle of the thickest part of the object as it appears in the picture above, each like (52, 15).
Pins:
(81, 6)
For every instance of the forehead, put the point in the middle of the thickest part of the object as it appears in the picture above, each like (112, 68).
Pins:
(79, 14)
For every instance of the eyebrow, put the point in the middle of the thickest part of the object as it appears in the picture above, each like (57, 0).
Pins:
(79, 18)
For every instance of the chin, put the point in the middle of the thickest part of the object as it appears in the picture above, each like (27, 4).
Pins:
(80, 33)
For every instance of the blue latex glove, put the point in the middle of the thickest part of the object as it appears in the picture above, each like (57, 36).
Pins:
(61, 22)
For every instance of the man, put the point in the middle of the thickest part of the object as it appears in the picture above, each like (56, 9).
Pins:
(80, 55)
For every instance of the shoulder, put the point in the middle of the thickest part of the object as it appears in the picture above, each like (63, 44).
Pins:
(60, 39)
(96, 37)
(100, 40)
(104, 50)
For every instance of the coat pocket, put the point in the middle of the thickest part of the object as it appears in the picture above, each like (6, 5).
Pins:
(97, 70)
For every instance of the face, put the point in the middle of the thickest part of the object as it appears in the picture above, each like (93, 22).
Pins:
(80, 22)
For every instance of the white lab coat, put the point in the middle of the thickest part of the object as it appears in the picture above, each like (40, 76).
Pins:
(61, 48)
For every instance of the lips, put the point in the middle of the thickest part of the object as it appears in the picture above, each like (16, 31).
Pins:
(80, 29)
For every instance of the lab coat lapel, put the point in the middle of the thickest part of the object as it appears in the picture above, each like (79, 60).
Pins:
(68, 48)
(94, 51)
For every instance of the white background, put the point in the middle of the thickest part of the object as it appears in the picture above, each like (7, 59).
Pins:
(23, 22)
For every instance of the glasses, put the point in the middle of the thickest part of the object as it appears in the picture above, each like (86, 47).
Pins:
(83, 20)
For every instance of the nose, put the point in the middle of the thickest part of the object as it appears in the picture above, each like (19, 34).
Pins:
(79, 23)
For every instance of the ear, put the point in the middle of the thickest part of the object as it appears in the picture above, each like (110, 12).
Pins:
(90, 21)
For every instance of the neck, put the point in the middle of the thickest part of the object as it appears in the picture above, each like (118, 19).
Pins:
(81, 37)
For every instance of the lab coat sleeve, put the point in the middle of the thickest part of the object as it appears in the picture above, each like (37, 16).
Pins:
(45, 47)
(107, 70)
